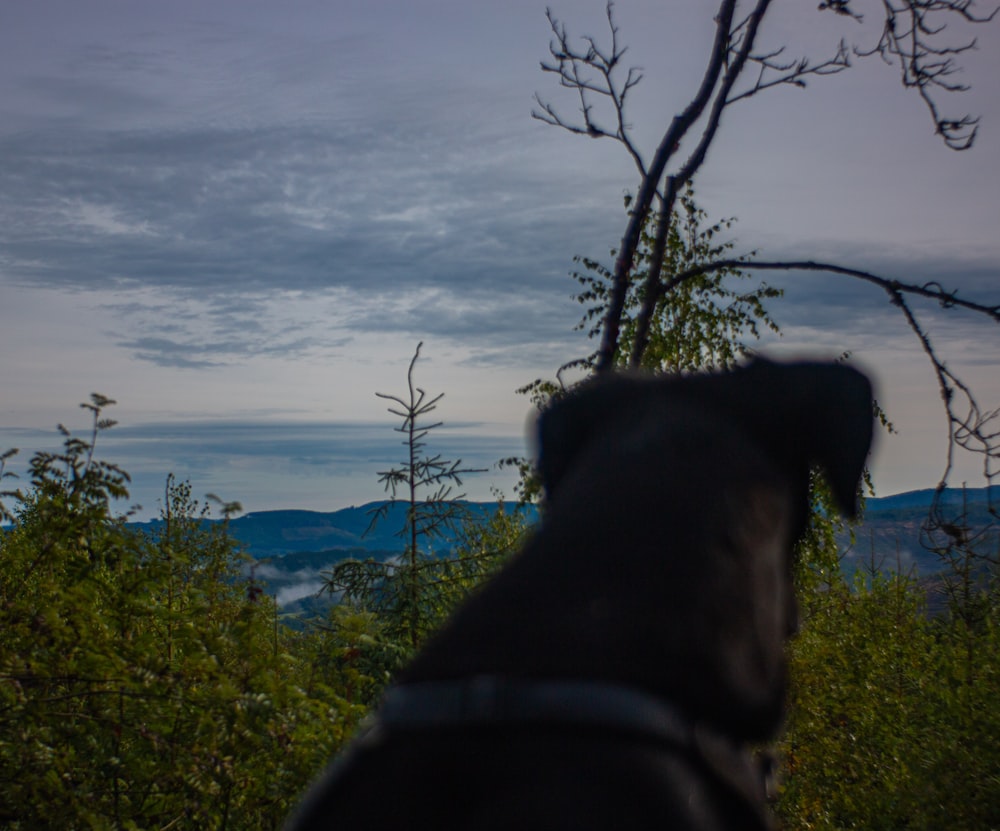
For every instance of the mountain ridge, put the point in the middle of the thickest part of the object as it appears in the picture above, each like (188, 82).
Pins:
(891, 524)
(279, 532)
(292, 548)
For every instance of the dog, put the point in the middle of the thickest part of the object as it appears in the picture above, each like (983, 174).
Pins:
(618, 671)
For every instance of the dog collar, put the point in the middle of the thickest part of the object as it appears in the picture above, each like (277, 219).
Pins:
(493, 701)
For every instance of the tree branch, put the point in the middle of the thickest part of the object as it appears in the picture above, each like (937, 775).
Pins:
(669, 144)
(793, 73)
(931, 290)
(970, 431)
(907, 39)
(571, 66)
(735, 57)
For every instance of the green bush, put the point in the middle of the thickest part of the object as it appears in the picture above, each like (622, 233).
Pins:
(144, 682)
(893, 718)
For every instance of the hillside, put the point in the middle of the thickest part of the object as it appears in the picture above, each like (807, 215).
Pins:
(889, 538)
(280, 533)
(292, 548)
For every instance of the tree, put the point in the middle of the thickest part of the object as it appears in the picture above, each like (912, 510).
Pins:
(705, 323)
(412, 595)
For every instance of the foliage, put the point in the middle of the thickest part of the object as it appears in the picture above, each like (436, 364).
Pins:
(146, 682)
(390, 602)
(703, 322)
(890, 713)
(706, 322)
(892, 717)
(143, 682)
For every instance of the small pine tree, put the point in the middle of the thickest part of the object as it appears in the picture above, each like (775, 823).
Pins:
(412, 595)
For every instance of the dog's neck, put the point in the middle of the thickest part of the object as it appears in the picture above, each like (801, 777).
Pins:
(491, 703)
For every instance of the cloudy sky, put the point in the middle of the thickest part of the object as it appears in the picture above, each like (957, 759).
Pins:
(238, 218)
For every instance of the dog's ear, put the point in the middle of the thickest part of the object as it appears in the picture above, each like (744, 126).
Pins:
(570, 423)
(831, 412)
(562, 431)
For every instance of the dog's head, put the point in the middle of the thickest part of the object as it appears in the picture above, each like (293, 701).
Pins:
(802, 415)
(692, 491)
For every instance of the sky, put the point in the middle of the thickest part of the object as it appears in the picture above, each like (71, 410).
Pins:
(237, 218)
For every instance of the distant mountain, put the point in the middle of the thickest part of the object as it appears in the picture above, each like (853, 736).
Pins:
(889, 538)
(292, 548)
(295, 580)
(952, 497)
(279, 533)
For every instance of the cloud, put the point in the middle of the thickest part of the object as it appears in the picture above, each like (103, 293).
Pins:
(290, 594)
(212, 218)
(393, 203)
(357, 202)
(207, 207)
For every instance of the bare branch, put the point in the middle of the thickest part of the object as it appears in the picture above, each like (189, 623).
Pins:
(969, 426)
(771, 72)
(735, 62)
(669, 144)
(966, 431)
(907, 39)
(932, 290)
(591, 72)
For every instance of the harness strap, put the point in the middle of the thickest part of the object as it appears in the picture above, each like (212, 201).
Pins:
(490, 700)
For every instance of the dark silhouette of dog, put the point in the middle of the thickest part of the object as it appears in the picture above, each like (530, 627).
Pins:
(617, 672)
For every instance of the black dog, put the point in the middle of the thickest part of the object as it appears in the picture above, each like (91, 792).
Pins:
(616, 672)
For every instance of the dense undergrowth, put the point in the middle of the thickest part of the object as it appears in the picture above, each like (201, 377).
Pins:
(146, 682)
